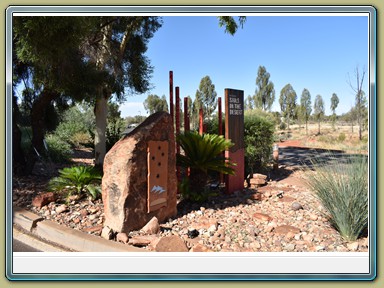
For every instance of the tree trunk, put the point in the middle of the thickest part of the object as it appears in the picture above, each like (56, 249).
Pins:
(18, 159)
(306, 127)
(319, 128)
(38, 127)
(101, 110)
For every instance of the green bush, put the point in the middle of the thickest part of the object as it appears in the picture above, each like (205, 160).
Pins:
(58, 150)
(77, 180)
(201, 154)
(341, 137)
(258, 140)
(81, 139)
(282, 126)
(342, 188)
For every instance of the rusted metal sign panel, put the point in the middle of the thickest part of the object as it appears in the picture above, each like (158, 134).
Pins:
(234, 130)
(157, 174)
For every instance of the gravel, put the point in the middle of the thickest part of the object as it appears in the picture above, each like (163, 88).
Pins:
(241, 222)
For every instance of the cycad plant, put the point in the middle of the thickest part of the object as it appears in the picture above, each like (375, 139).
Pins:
(201, 154)
(77, 180)
(342, 188)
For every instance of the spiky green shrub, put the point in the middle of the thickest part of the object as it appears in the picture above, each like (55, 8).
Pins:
(342, 187)
(77, 180)
(201, 154)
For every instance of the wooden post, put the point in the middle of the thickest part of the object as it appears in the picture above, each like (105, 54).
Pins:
(177, 112)
(171, 95)
(186, 115)
(177, 108)
(220, 116)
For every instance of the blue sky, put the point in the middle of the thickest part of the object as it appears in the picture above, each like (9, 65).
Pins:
(313, 52)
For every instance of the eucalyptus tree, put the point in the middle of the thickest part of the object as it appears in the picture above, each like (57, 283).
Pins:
(318, 110)
(334, 104)
(47, 62)
(306, 109)
(230, 24)
(117, 46)
(265, 91)
(154, 103)
(287, 102)
(206, 96)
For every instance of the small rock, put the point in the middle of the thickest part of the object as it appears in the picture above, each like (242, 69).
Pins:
(152, 227)
(107, 233)
(94, 229)
(122, 237)
(141, 241)
(319, 248)
(354, 246)
(61, 209)
(192, 233)
(285, 229)
(262, 217)
(171, 244)
(296, 206)
(256, 196)
(290, 247)
(200, 248)
(313, 217)
(43, 199)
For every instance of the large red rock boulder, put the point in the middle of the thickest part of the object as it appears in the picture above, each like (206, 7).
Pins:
(130, 201)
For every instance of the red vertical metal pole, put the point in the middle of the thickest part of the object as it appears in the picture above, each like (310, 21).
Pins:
(186, 115)
(177, 108)
(201, 121)
(220, 129)
(171, 94)
(220, 116)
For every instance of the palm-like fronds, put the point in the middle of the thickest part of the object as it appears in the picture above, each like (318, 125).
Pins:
(204, 152)
(77, 179)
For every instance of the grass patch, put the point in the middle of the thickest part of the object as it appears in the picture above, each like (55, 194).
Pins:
(342, 187)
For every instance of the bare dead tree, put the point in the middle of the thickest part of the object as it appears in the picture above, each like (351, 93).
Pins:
(360, 96)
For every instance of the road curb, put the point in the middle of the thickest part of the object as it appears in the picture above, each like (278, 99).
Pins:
(66, 237)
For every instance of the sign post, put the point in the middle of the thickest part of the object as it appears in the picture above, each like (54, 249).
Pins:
(234, 130)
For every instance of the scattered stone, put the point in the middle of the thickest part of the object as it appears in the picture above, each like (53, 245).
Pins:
(192, 233)
(122, 237)
(313, 217)
(61, 209)
(107, 233)
(290, 247)
(296, 206)
(152, 227)
(43, 199)
(262, 217)
(142, 240)
(319, 248)
(285, 229)
(256, 196)
(94, 229)
(354, 246)
(171, 244)
(200, 248)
